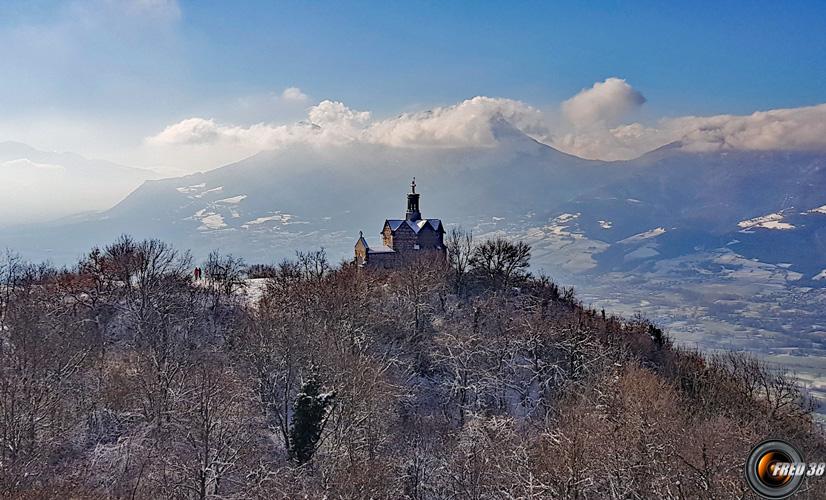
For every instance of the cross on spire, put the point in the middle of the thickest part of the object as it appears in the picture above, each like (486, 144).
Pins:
(413, 185)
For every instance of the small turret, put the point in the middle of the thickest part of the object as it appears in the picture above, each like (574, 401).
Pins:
(413, 213)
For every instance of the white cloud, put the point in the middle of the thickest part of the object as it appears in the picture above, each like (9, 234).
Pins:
(294, 94)
(604, 103)
(469, 123)
(792, 129)
(335, 115)
(189, 131)
(202, 132)
(473, 123)
(784, 129)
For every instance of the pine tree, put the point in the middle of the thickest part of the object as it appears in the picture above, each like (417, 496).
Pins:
(309, 415)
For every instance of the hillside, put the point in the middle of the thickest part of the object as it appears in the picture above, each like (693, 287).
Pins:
(421, 383)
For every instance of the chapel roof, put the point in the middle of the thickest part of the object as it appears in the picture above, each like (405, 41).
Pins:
(416, 225)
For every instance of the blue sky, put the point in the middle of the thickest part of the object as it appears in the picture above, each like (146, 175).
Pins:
(686, 56)
(101, 75)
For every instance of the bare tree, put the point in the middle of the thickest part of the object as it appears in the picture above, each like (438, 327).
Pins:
(225, 275)
(500, 260)
(214, 431)
(43, 348)
(314, 265)
(121, 378)
(459, 252)
(416, 284)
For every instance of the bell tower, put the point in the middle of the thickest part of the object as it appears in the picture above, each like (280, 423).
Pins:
(413, 213)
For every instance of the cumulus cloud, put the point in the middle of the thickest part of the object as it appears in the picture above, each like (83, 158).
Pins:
(784, 129)
(189, 131)
(475, 123)
(335, 115)
(596, 130)
(207, 132)
(294, 94)
(604, 103)
(469, 123)
(792, 129)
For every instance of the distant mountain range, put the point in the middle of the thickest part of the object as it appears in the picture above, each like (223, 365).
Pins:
(583, 216)
(39, 185)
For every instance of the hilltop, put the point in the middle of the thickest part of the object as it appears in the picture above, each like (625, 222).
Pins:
(469, 379)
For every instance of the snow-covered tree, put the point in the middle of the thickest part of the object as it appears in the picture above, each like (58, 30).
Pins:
(309, 416)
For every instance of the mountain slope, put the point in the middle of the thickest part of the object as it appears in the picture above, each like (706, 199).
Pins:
(267, 205)
(583, 216)
(760, 204)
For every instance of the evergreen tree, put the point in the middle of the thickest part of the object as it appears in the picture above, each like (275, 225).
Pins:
(309, 415)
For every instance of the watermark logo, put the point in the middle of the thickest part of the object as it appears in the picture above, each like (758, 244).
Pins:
(775, 469)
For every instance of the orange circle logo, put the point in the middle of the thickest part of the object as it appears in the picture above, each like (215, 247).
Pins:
(774, 469)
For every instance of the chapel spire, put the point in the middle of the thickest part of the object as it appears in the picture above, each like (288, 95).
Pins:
(413, 213)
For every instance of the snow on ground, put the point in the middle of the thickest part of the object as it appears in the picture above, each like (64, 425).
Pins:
(261, 220)
(559, 244)
(198, 190)
(233, 200)
(651, 233)
(605, 224)
(279, 217)
(818, 210)
(212, 221)
(255, 289)
(191, 189)
(770, 221)
(563, 218)
(558, 226)
(735, 266)
(820, 276)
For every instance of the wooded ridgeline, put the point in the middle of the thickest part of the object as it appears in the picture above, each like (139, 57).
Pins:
(122, 377)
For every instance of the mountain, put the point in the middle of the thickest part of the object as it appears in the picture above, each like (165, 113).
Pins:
(591, 216)
(763, 205)
(723, 247)
(266, 206)
(40, 185)
(615, 216)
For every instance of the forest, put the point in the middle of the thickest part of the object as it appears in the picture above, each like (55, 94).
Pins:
(124, 377)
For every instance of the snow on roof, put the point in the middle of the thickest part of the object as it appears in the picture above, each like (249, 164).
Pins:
(416, 226)
(380, 249)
